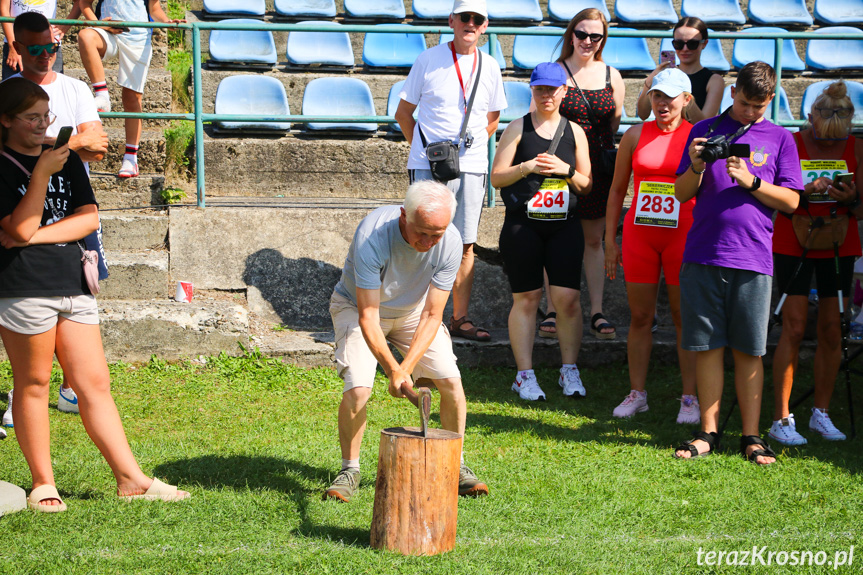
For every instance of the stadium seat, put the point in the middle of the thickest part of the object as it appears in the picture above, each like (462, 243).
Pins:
(718, 12)
(712, 57)
(246, 48)
(837, 12)
(498, 53)
(305, 8)
(432, 9)
(622, 128)
(386, 50)
(784, 107)
(518, 97)
(645, 12)
(564, 10)
(339, 97)
(375, 9)
(252, 94)
(628, 53)
(855, 92)
(835, 54)
(393, 104)
(528, 51)
(746, 51)
(234, 9)
(323, 48)
(521, 10)
(779, 12)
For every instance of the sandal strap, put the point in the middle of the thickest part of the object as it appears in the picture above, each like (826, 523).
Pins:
(711, 439)
(605, 322)
(551, 315)
(687, 446)
(765, 450)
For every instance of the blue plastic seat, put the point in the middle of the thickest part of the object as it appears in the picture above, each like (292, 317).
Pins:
(720, 12)
(746, 51)
(564, 10)
(784, 107)
(781, 12)
(518, 98)
(393, 101)
(498, 53)
(622, 128)
(254, 48)
(387, 50)
(339, 97)
(522, 10)
(252, 94)
(432, 9)
(528, 51)
(645, 12)
(234, 9)
(305, 8)
(839, 11)
(628, 53)
(375, 9)
(712, 57)
(835, 54)
(324, 48)
(855, 92)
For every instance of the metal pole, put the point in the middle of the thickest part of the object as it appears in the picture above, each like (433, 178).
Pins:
(777, 65)
(492, 141)
(198, 87)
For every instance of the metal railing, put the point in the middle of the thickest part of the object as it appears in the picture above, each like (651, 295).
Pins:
(200, 118)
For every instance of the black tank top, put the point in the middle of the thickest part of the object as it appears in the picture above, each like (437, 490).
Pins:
(530, 146)
(699, 82)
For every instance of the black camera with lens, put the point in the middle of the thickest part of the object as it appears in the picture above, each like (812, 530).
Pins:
(718, 148)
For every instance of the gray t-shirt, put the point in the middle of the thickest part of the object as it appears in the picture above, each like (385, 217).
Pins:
(380, 258)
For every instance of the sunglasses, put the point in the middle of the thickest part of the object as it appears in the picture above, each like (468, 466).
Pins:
(37, 121)
(37, 49)
(691, 44)
(828, 113)
(584, 36)
(478, 19)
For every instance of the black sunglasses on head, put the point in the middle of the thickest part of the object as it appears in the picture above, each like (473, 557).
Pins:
(478, 19)
(691, 44)
(584, 36)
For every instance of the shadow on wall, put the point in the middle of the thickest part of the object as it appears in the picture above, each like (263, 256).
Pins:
(298, 289)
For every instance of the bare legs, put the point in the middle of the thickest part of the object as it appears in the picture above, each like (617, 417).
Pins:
(594, 262)
(570, 326)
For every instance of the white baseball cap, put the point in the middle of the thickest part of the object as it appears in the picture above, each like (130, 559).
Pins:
(672, 82)
(475, 6)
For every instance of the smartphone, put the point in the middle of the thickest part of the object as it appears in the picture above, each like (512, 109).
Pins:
(63, 137)
(739, 150)
(843, 178)
(668, 56)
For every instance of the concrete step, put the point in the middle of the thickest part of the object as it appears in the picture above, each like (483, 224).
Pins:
(156, 99)
(141, 274)
(151, 151)
(115, 193)
(129, 231)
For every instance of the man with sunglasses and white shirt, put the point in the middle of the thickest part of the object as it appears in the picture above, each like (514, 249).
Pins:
(438, 88)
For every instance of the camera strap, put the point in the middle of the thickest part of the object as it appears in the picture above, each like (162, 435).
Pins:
(476, 82)
(743, 129)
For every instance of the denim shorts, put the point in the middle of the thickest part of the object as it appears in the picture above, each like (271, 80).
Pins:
(34, 315)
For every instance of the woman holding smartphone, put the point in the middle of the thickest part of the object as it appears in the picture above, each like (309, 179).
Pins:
(690, 38)
(46, 207)
(828, 141)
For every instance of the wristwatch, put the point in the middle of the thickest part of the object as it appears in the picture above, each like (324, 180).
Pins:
(756, 183)
(571, 172)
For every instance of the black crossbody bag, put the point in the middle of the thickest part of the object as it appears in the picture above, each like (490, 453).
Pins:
(608, 156)
(534, 183)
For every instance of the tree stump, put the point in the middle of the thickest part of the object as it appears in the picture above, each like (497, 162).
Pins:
(416, 492)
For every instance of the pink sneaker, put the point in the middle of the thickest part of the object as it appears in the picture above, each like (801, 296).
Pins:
(690, 411)
(635, 402)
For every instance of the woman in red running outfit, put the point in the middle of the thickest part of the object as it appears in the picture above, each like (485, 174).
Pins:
(654, 233)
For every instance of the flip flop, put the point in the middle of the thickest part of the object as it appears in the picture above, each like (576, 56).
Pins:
(159, 491)
(43, 493)
(550, 321)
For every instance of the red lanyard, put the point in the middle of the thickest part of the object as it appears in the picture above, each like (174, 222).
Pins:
(458, 71)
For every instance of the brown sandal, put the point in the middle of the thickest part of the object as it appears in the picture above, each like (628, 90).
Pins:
(456, 330)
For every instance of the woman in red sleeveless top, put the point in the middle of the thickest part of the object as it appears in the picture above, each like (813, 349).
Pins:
(654, 234)
(826, 148)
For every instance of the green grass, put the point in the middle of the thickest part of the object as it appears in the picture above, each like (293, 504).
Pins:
(572, 489)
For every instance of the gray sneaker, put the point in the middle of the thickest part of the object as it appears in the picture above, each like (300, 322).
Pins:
(345, 485)
(468, 483)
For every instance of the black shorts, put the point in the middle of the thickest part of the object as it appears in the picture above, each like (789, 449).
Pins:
(527, 246)
(825, 275)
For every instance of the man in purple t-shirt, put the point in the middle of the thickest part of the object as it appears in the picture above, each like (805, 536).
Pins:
(725, 280)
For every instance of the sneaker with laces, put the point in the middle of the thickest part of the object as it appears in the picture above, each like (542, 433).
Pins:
(67, 400)
(526, 386)
(785, 431)
(690, 411)
(103, 101)
(821, 424)
(635, 402)
(570, 381)
(468, 483)
(128, 169)
(7, 417)
(344, 486)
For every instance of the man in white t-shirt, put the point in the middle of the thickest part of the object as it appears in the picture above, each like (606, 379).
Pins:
(13, 9)
(399, 271)
(439, 90)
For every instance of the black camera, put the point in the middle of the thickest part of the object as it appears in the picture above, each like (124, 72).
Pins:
(718, 148)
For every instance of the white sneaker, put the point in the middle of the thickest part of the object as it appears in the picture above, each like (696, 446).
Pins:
(7, 417)
(570, 381)
(635, 402)
(526, 386)
(103, 101)
(690, 411)
(785, 431)
(820, 423)
(67, 400)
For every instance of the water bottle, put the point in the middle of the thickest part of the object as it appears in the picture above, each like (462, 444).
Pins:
(813, 296)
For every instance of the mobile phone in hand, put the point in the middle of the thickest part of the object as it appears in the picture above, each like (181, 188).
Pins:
(668, 56)
(63, 137)
(843, 178)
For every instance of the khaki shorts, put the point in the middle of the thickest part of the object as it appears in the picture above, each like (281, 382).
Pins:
(134, 59)
(34, 315)
(357, 364)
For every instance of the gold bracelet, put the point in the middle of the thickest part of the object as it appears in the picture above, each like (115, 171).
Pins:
(521, 170)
